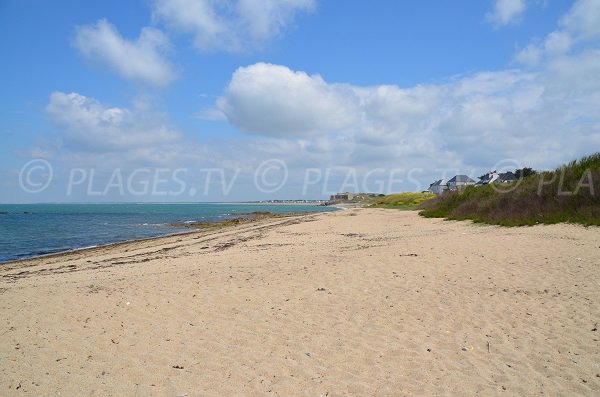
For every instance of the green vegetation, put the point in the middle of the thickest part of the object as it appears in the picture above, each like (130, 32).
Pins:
(570, 193)
(405, 201)
(524, 172)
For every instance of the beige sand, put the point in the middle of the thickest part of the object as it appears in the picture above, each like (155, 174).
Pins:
(361, 302)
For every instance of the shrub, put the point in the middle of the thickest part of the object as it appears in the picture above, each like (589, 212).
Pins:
(570, 193)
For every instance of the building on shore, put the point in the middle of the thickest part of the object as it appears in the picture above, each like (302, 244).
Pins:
(341, 197)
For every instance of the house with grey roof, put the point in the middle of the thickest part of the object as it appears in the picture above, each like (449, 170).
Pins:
(487, 178)
(438, 187)
(459, 182)
(507, 177)
(493, 176)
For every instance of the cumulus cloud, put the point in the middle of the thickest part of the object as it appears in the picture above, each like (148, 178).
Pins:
(230, 25)
(274, 100)
(506, 12)
(583, 20)
(580, 25)
(539, 117)
(511, 113)
(544, 115)
(142, 60)
(91, 126)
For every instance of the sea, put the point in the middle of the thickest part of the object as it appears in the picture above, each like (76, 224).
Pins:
(29, 230)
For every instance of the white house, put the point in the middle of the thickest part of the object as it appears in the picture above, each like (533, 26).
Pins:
(437, 187)
(493, 176)
(488, 178)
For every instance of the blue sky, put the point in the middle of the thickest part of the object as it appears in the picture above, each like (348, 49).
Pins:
(382, 95)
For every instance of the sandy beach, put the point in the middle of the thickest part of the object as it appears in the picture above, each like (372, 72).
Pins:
(361, 302)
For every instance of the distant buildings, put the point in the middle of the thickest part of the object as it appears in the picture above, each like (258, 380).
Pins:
(507, 177)
(493, 176)
(459, 182)
(341, 197)
(462, 181)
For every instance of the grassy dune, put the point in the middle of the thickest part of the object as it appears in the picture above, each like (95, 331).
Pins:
(407, 201)
(570, 193)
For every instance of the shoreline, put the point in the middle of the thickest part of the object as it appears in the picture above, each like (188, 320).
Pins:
(158, 202)
(365, 301)
(119, 244)
(192, 227)
(92, 248)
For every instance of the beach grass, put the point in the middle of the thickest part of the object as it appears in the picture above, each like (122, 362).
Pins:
(403, 201)
(570, 193)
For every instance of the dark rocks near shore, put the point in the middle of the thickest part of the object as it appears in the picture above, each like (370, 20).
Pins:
(242, 218)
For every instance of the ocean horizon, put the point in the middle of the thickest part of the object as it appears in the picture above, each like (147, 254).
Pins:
(30, 230)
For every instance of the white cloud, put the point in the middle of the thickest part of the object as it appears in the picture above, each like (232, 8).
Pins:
(583, 20)
(557, 43)
(90, 126)
(506, 12)
(273, 100)
(479, 118)
(264, 19)
(579, 25)
(467, 125)
(230, 25)
(142, 60)
(212, 114)
(539, 117)
(530, 55)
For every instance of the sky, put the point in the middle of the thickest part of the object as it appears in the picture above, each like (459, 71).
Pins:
(208, 100)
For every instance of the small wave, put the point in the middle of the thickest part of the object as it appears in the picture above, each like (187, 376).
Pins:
(48, 251)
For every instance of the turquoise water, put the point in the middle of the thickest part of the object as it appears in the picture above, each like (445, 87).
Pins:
(28, 230)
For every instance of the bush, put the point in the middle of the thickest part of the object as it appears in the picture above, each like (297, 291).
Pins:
(568, 194)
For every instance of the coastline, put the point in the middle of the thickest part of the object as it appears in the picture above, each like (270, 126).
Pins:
(357, 302)
(179, 227)
(125, 244)
(92, 248)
